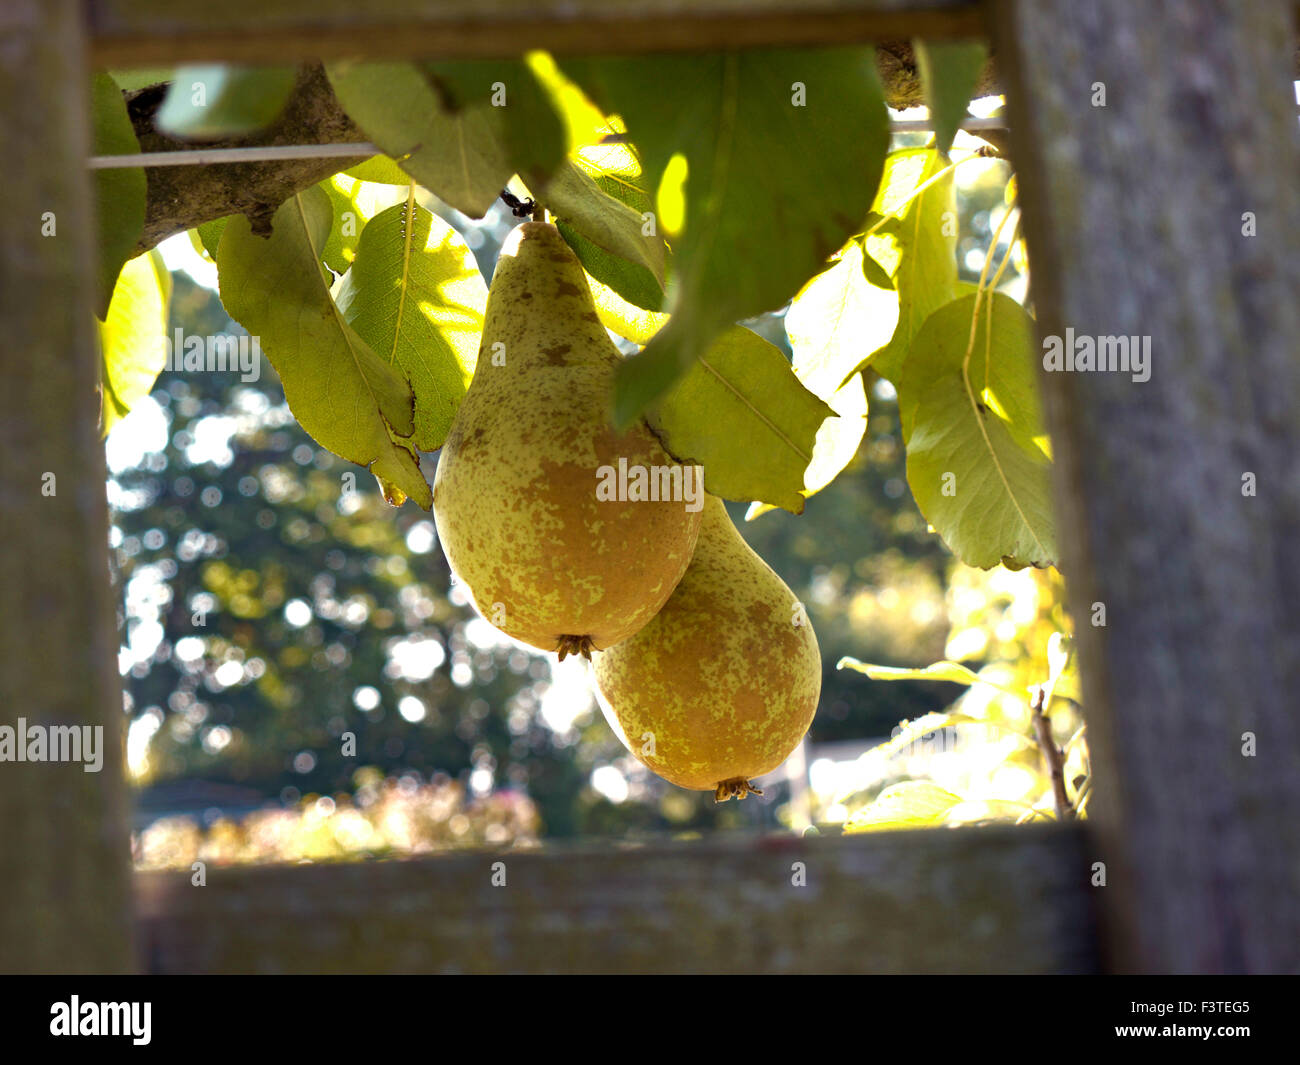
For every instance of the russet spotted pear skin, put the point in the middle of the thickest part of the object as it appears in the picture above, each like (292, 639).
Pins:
(722, 685)
(515, 493)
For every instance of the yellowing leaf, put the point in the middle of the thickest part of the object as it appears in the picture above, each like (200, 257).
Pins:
(584, 122)
(379, 170)
(909, 804)
(132, 336)
(626, 319)
(341, 392)
(354, 202)
(918, 249)
(416, 296)
(953, 672)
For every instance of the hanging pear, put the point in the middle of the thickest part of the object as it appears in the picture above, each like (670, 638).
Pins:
(568, 535)
(722, 685)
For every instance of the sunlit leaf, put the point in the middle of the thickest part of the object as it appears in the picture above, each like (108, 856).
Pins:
(949, 71)
(460, 158)
(953, 672)
(119, 193)
(987, 811)
(602, 221)
(741, 411)
(835, 321)
(918, 252)
(758, 223)
(977, 456)
(380, 170)
(584, 123)
(416, 296)
(213, 101)
(341, 392)
(354, 203)
(909, 804)
(132, 336)
(838, 319)
(626, 319)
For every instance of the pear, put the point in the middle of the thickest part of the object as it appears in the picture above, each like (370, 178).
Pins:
(722, 685)
(527, 493)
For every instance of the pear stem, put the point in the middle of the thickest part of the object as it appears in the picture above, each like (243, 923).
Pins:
(735, 788)
(574, 645)
(519, 208)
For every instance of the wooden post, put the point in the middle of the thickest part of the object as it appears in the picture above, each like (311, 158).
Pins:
(65, 900)
(1158, 157)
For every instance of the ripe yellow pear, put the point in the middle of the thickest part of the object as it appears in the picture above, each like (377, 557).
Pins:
(722, 685)
(522, 493)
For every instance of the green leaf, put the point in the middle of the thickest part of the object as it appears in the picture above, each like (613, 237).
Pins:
(140, 78)
(949, 70)
(132, 336)
(585, 124)
(835, 321)
(460, 158)
(977, 456)
(909, 804)
(757, 222)
(919, 251)
(210, 235)
(624, 318)
(532, 131)
(415, 295)
(212, 101)
(119, 194)
(953, 672)
(601, 220)
(875, 274)
(353, 204)
(838, 319)
(341, 392)
(380, 170)
(742, 413)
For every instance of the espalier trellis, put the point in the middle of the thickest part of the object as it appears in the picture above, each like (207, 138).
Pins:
(1155, 148)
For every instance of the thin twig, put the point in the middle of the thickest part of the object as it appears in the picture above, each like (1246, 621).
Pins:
(1052, 754)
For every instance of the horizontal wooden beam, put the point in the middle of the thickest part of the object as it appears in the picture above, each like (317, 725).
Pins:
(976, 900)
(127, 33)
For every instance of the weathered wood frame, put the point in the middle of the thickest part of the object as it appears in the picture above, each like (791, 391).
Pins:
(1200, 843)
